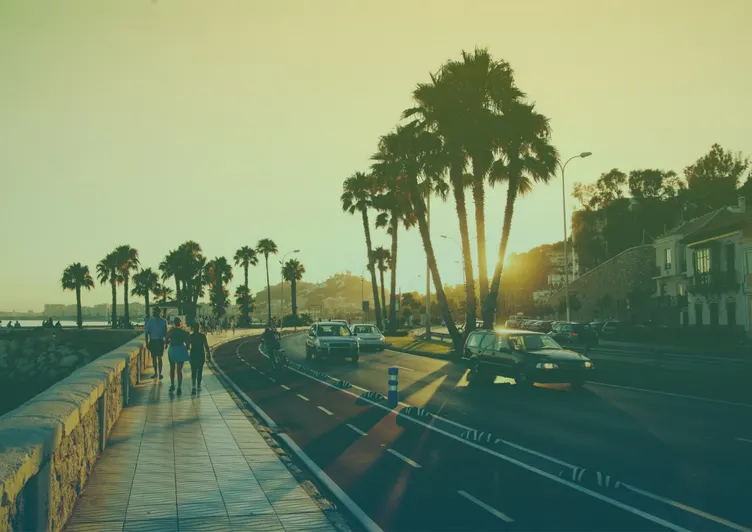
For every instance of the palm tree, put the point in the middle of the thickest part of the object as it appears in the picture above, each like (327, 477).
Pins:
(244, 299)
(108, 272)
(293, 271)
(75, 277)
(191, 269)
(358, 191)
(127, 258)
(528, 157)
(170, 267)
(145, 282)
(245, 257)
(382, 258)
(219, 274)
(266, 247)
(163, 293)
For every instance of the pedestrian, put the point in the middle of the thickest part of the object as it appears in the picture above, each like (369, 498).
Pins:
(199, 349)
(178, 339)
(155, 331)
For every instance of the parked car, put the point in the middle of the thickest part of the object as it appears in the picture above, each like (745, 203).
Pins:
(614, 329)
(369, 336)
(596, 325)
(576, 336)
(527, 357)
(331, 340)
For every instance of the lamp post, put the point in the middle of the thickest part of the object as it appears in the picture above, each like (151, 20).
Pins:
(282, 287)
(564, 212)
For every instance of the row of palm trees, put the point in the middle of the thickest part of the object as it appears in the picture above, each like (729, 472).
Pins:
(469, 127)
(192, 273)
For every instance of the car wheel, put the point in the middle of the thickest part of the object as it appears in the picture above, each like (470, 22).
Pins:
(523, 379)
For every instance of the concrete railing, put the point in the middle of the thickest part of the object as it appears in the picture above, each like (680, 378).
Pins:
(50, 444)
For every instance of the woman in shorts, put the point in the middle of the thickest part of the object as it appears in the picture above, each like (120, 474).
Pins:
(178, 339)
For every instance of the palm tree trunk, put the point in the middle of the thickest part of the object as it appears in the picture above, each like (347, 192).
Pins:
(114, 302)
(480, 230)
(383, 295)
(393, 283)
(294, 298)
(420, 212)
(489, 305)
(126, 313)
(79, 318)
(372, 270)
(146, 306)
(467, 259)
(268, 292)
(179, 295)
(245, 302)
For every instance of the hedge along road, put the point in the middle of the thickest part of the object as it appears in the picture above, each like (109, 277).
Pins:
(422, 475)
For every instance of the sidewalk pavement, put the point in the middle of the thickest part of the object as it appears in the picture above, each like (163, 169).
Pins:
(191, 463)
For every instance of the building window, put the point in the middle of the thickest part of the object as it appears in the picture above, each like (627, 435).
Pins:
(702, 260)
(667, 258)
(698, 314)
(731, 313)
(713, 313)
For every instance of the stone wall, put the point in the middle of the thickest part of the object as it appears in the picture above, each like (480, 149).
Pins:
(625, 278)
(50, 444)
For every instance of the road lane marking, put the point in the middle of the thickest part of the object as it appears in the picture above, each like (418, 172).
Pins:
(670, 394)
(253, 367)
(404, 458)
(325, 411)
(285, 387)
(264, 374)
(303, 397)
(489, 509)
(403, 367)
(744, 440)
(271, 379)
(356, 429)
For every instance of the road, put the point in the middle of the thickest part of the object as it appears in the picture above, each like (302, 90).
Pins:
(683, 462)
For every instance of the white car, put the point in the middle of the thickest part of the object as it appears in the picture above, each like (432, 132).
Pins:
(369, 336)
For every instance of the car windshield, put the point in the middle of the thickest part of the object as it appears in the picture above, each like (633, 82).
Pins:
(333, 330)
(534, 342)
(365, 329)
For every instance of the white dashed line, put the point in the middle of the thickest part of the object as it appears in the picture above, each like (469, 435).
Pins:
(271, 379)
(404, 458)
(403, 367)
(325, 411)
(356, 429)
(303, 397)
(744, 440)
(285, 387)
(264, 374)
(253, 367)
(486, 507)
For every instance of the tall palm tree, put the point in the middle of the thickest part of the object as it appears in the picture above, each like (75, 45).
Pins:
(108, 271)
(75, 277)
(382, 257)
(145, 282)
(127, 258)
(358, 191)
(163, 293)
(191, 267)
(528, 157)
(244, 299)
(219, 274)
(293, 271)
(266, 247)
(170, 267)
(245, 257)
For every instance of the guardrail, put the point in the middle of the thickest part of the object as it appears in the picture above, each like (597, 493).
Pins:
(50, 444)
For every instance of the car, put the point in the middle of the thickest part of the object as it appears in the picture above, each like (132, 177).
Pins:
(525, 356)
(614, 329)
(343, 322)
(577, 336)
(331, 339)
(369, 336)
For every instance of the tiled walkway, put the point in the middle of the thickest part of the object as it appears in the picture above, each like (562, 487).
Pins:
(180, 463)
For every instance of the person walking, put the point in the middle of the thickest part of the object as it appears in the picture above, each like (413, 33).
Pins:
(199, 350)
(178, 339)
(155, 331)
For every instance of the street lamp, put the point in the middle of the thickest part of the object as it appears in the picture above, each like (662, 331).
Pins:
(564, 211)
(282, 286)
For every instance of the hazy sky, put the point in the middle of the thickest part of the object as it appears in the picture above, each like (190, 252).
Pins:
(153, 122)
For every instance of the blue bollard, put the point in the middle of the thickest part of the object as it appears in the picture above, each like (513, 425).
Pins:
(393, 391)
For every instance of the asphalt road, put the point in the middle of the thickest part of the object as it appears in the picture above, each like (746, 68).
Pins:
(683, 462)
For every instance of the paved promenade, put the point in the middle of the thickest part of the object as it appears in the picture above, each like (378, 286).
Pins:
(191, 463)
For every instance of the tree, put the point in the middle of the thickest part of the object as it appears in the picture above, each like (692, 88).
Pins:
(528, 157)
(713, 179)
(145, 282)
(75, 277)
(191, 270)
(608, 188)
(245, 257)
(382, 257)
(266, 247)
(574, 304)
(108, 272)
(170, 267)
(244, 299)
(358, 191)
(219, 274)
(654, 184)
(127, 258)
(293, 271)
(163, 293)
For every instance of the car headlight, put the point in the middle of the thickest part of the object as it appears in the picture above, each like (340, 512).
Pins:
(588, 364)
(547, 365)
(381, 338)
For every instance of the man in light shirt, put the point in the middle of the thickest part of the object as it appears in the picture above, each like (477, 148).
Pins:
(156, 330)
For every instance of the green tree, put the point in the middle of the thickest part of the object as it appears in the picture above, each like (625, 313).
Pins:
(191, 270)
(713, 179)
(357, 196)
(163, 293)
(246, 256)
(266, 247)
(382, 258)
(75, 277)
(293, 271)
(145, 282)
(127, 258)
(219, 275)
(108, 271)
(654, 184)
(170, 268)
(608, 188)
(244, 299)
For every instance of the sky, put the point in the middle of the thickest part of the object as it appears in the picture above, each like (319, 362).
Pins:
(152, 122)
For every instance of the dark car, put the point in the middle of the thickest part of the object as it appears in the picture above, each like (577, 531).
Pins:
(614, 329)
(332, 340)
(574, 335)
(527, 357)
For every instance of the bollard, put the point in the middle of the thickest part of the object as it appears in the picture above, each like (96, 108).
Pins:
(393, 391)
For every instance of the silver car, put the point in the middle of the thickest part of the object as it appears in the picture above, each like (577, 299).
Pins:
(331, 340)
(369, 336)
